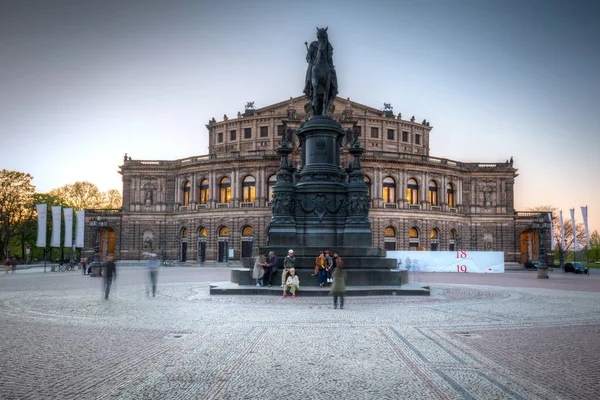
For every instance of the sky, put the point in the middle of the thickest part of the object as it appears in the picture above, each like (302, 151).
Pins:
(84, 82)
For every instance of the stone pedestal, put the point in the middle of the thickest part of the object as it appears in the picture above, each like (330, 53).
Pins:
(542, 272)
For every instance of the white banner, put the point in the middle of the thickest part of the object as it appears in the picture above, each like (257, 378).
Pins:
(482, 262)
(562, 232)
(56, 218)
(42, 212)
(80, 228)
(585, 223)
(551, 232)
(68, 213)
(575, 245)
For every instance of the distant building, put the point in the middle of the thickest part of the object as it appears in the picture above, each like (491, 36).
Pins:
(201, 207)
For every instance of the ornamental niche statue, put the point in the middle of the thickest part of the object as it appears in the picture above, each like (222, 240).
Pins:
(321, 86)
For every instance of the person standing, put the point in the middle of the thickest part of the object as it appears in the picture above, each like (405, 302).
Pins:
(109, 273)
(292, 284)
(328, 266)
(153, 267)
(321, 262)
(271, 270)
(289, 262)
(13, 264)
(259, 268)
(7, 264)
(338, 288)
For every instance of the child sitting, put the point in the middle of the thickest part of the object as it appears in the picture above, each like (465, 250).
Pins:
(292, 284)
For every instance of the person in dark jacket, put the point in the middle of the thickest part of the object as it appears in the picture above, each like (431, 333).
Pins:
(271, 270)
(109, 273)
(338, 288)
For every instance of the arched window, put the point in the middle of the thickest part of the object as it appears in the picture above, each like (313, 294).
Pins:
(412, 192)
(186, 193)
(225, 190)
(204, 192)
(184, 233)
(368, 183)
(270, 185)
(202, 233)
(432, 194)
(224, 232)
(389, 190)
(389, 236)
(434, 236)
(247, 231)
(452, 240)
(450, 195)
(413, 238)
(248, 189)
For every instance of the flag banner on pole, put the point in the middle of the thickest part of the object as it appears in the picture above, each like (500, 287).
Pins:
(80, 228)
(575, 245)
(68, 213)
(551, 232)
(587, 232)
(562, 232)
(56, 218)
(42, 212)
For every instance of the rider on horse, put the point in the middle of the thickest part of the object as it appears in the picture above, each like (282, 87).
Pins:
(311, 57)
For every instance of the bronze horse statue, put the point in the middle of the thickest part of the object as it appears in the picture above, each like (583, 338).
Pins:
(321, 80)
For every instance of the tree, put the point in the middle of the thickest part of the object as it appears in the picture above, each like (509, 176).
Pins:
(86, 195)
(16, 194)
(595, 245)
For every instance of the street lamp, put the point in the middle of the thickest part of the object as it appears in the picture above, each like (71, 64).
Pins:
(540, 226)
(98, 223)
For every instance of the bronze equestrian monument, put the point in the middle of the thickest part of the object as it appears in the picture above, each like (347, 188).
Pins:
(320, 204)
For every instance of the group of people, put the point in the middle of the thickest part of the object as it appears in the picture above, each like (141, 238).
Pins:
(328, 269)
(11, 263)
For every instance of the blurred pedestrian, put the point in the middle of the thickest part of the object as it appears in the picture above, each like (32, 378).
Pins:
(7, 264)
(83, 266)
(259, 268)
(153, 267)
(271, 270)
(338, 288)
(13, 264)
(109, 274)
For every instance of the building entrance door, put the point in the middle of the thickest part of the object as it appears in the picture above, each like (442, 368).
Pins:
(183, 252)
(223, 249)
(201, 251)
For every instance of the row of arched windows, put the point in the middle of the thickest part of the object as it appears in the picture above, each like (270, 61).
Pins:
(249, 191)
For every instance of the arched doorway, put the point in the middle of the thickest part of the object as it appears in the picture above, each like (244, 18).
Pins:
(223, 244)
(413, 239)
(201, 245)
(184, 235)
(106, 240)
(530, 246)
(389, 238)
(247, 241)
(434, 236)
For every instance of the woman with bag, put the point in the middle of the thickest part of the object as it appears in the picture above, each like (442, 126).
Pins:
(259, 268)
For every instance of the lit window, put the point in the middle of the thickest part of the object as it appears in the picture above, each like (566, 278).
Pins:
(184, 233)
(248, 189)
(225, 190)
(202, 232)
(204, 191)
(412, 192)
(389, 190)
(432, 194)
(223, 232)
(247, 231)
(413, 233)
(450, 195)
(434, 236)
(389, 232)
(186, 193)
(270, 185)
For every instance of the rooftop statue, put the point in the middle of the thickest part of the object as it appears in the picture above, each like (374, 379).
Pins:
(321, 86)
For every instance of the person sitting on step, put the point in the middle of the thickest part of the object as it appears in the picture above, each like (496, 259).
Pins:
(292, 284)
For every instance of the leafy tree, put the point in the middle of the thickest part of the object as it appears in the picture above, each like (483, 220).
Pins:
(86, 195)
(595, 245)
(113, 199)
(16, 195)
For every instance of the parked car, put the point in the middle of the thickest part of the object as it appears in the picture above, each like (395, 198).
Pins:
(576, 267)
(532, 264)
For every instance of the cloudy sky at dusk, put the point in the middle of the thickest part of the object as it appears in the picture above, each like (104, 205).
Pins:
(83, 82)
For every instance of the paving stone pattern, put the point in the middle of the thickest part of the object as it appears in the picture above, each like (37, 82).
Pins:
(60, 340)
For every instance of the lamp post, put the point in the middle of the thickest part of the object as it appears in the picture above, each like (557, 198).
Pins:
(540, 226)
(98, 223)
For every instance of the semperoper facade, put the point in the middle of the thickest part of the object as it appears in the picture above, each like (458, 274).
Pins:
(217, 206)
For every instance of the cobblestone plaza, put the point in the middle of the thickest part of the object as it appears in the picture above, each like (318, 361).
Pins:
(505, 336)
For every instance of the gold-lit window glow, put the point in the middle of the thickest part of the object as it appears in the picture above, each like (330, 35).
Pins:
(450, 195)
(184, 233)
(452, 234)
(413, 233)
(202, 232)
(368, 183)
(225, 190)
(248, 189)
(224, 232)
(270, 185)
(204, 193)
(389, 190)
(433, 234)
(186, 193)
(412, 192)
(247, 231)
(389, 232)
(432, 194)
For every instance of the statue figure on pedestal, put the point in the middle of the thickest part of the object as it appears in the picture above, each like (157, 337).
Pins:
(321, 86)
